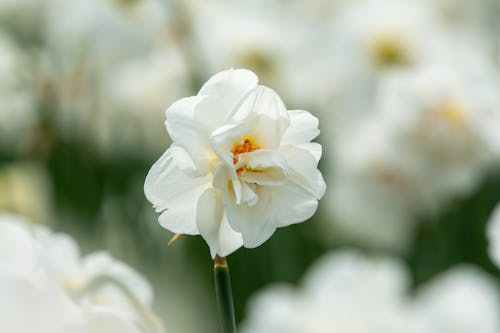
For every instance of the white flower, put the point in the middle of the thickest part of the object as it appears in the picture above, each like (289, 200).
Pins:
(49, 288)
(342, 292)
(130, 96)
(461, 300)
(240, 165)
(350, 292)
(432, 137)
(493, 234)
(444, 124)
(106, 63)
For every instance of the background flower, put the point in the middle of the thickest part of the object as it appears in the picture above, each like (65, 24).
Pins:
(52, 289)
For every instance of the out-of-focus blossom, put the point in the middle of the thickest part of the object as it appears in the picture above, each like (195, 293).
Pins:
(255, 41)
(413, 119)
(462, 300)
(18, 109)
(342, 292)
(48, 287)
(240, 166)
(109, 66)
(443, 125)
(432, 138)
(349, 292)
(493, 234)
(25, 190)
(129, 121)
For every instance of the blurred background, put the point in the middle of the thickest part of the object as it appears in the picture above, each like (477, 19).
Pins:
(407, 93)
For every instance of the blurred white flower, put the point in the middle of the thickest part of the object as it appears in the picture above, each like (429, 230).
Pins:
(255, 40)
(432, 137)
(240, 165)
(44, 278)
(342, 292)
(364, 40)
(350, 292)
(443, 120)
(493, 235)
(462, 300)
(131, 95)
(110, 65)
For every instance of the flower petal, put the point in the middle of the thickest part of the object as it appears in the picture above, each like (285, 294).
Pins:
(263, 167)
(172, 191)
(278, 206)
(213, 226)
(303, 128)
(225, 137)
(304, 172)
(190, 133)
(314, 148)
(254, 222)
(291, 204)
(230, 86)
(266, 115)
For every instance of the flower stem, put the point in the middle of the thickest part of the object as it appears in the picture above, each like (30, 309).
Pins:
(224, 295)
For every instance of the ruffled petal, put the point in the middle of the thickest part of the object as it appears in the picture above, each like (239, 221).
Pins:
(263, 167)
(213, 226)
(190, 133)
(266, 115)
(303, 128)
(230, 86)
(176, 194)
(304, 171)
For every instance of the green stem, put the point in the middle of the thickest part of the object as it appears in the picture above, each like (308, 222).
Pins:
(224, 295)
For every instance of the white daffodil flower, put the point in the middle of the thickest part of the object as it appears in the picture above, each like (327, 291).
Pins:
(463, 299)
(342, 292)
(240, 165)
(44, 278)
(347, 291)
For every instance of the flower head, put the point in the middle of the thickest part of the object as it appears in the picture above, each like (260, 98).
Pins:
(49, 287)
(240, 165)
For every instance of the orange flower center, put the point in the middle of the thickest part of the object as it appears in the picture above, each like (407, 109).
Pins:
(245, 147)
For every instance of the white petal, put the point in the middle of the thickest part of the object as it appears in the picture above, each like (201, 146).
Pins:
(291, 204)
(225, 137)
(170, 189)
(230, 86)
(314, 148)
(253, 222)
(183, 160)
(19, 252)
(304, 170)
(101, 319)
(213, 225)
(263, 167)
(266, 115)
(28, 308)
(278, 206)
(189, 133)
(303, 128)
(102, 264)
